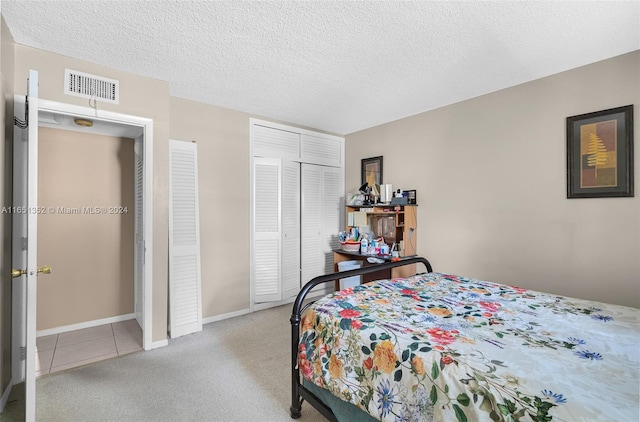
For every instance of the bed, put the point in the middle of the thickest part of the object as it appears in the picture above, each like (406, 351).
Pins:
(448, 348)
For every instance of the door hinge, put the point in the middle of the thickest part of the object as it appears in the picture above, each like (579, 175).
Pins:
(23, 124)
(23, 353)
(24, 242)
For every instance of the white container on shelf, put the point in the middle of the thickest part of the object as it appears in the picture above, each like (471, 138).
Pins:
(364, 245)
(386, 192)
(352, 281)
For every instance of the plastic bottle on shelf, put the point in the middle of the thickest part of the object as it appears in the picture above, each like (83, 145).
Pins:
(364, 244)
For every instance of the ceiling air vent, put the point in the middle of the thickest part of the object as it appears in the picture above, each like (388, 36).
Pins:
(89, 86)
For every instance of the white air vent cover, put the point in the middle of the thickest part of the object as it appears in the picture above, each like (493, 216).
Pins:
(85, 85)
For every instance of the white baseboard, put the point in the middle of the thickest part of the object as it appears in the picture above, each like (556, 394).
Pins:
(159, 344)
(225, 316)
(266, 305)
(81, 325)
(5, 396)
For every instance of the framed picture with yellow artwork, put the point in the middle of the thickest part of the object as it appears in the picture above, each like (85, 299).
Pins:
(600, 154)
(372, 171)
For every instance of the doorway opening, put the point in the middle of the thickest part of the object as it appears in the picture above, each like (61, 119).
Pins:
(136, 135)
(86, 232)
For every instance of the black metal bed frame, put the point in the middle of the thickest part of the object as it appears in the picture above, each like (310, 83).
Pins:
(298, 392)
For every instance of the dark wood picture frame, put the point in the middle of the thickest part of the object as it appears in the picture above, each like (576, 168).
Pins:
(600, 154)
(372, 168)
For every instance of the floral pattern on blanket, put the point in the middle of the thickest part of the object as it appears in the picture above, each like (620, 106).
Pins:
(441, 347)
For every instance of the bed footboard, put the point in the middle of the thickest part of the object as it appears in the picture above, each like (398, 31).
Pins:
(298, 392)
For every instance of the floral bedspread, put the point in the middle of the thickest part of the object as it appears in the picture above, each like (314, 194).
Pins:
(446, 348)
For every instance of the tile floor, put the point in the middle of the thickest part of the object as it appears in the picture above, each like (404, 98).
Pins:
(76, 348)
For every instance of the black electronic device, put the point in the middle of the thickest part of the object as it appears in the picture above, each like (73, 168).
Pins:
(411, 196)
(366, 191)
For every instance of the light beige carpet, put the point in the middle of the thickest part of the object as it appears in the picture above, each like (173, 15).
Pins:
(234, 370)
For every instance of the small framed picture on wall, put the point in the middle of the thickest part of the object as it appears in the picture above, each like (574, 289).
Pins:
(372, 171)
(600, 154)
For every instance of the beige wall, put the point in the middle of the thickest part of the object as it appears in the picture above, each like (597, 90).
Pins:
(490, 176)
(7, 53)
(91, 254)
(223, 177)
(139, 96)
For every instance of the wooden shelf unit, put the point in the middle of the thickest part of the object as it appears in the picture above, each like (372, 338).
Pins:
(395, 223)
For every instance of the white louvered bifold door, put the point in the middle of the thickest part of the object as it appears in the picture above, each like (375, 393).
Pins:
(332, 209)
(322, 193)
(267, 231)
(291, 229)
(185, 303)
(311, 222)
(138, 259)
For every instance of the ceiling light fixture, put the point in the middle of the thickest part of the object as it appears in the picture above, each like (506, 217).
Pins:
(83, 122)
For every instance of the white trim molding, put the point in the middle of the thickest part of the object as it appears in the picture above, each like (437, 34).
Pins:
(87, 324)
(221, 317)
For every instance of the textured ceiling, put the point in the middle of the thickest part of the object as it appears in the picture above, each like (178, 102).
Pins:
(337, 66)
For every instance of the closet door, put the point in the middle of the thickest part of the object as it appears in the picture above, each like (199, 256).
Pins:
(312, 259)
(185, 302)
(266, 230)
(138, 259)
(332, 211)
(321, 210)
(297, 189)
(291, 229)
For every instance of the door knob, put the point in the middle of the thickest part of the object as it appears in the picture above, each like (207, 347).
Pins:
(17, 273)
(44, 270)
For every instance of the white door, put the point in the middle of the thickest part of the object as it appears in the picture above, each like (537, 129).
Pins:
(332, 212)
(290, 229)
(24, 246)
(138, 260)
(185, 302)
(266, 230)
(311, 226)
(322, 192)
